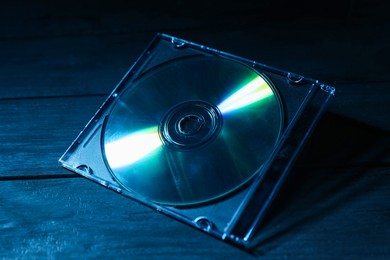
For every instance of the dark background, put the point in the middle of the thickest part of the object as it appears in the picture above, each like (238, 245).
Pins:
(59, 61)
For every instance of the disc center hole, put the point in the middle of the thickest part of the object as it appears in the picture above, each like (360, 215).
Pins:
(190, 124)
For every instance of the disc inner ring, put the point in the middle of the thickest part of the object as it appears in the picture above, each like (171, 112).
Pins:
(190, 125)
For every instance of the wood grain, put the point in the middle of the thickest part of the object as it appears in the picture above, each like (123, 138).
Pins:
(330, 53)
(93, 65)
(36, 132)
(345, 215)
(72, 217)
(59, 61)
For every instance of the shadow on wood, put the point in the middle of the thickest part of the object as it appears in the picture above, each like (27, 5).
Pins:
(336, 190)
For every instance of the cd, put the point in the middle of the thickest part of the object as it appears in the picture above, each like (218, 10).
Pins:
(201, 135)
(192, 130)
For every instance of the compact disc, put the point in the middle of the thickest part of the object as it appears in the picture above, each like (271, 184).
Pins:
(192, 130)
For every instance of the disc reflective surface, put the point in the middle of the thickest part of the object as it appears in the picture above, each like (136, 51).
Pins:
(192, 130)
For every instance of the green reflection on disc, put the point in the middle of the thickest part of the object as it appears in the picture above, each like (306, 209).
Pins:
(142, 163)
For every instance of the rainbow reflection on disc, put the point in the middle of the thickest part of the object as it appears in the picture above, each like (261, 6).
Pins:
(192, 130)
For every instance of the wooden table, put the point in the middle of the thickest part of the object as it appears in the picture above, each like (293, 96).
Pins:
(59, 61)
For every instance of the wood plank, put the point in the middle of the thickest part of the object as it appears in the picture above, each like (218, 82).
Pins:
(66, 66)
(60, 60)
(95, 64)
(321, 214)
(331, 213)
(75, 218)
(36, 132)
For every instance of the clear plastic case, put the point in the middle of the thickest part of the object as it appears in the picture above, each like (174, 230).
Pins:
(255, 158)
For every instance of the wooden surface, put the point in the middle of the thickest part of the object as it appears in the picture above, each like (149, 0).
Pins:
(59, 61)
